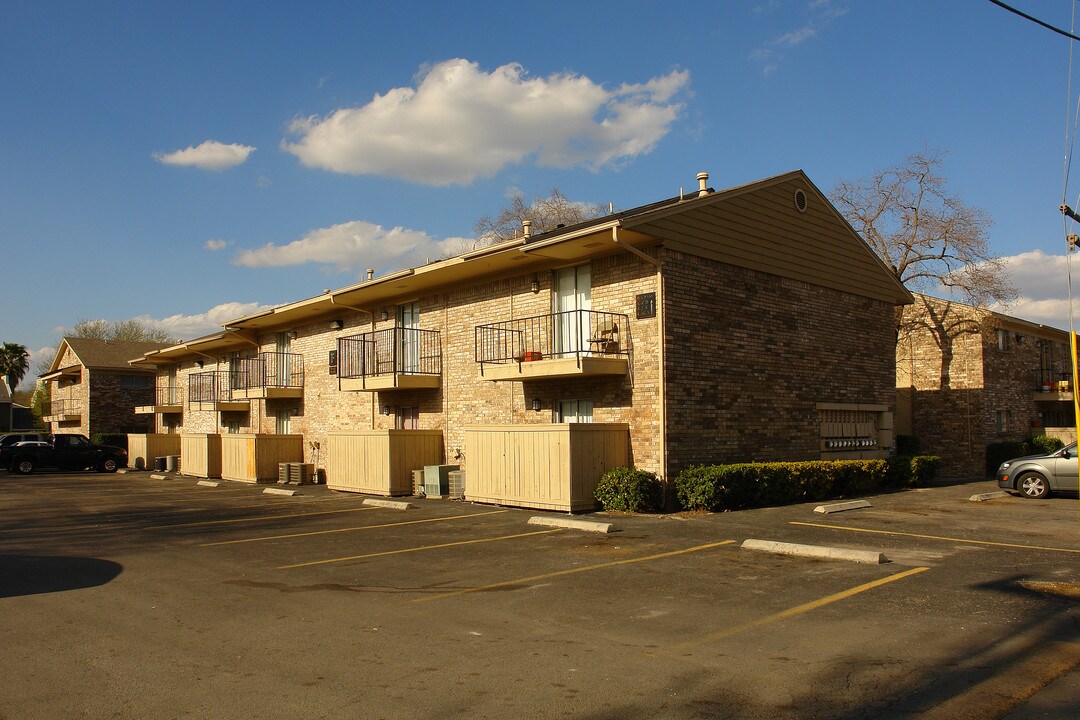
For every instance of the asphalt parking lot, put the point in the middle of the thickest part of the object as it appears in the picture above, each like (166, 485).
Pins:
(123, 596)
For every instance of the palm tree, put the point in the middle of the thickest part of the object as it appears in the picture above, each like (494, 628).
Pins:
(14, 362)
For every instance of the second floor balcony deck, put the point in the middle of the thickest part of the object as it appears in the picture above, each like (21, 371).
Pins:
(574, 343)
(1052, 384)
(211, 390)
(390, 359)
(267, 375)
(62, 411)
(167, 399)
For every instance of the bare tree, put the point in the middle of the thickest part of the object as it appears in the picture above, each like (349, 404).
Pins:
(545, 213)
(123, 330)
(930, 239)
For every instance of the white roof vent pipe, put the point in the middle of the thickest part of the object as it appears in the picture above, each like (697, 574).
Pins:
(703, 182)
(370, 273)
(526, 228)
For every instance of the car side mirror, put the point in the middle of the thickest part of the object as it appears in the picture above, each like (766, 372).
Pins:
(1065, 454)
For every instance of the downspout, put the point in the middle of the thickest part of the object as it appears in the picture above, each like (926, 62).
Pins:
(661, 344)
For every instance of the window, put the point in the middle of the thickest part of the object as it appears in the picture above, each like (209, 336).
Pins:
(1002, 339)
(1002, 421)
(333, 362)
(573, 411)
(136, 382)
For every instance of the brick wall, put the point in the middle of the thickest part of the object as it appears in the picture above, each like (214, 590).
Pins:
(112, 407)
(750, 355)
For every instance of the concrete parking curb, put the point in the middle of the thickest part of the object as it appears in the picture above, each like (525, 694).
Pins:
(208, 483)
(390, 504)
(983, 497)
(841, 507)
(279, 491)
(159, 477)
(586, 525)
(816, 551)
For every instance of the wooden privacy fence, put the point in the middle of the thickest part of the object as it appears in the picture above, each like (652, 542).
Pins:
(200, 455)
(552, 467)
(253, 458)
(143, 448)
(380, 462)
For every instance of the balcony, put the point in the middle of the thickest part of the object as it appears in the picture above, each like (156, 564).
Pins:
(62, 411)
(211, 390)
(393, 359)
(267, 376)
(577, 343)
(166, 400)
(1051, 385)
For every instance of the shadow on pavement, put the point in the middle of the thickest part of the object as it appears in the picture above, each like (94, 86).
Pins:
(36, 574)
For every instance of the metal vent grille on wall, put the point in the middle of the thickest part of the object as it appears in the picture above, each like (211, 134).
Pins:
(801, 200)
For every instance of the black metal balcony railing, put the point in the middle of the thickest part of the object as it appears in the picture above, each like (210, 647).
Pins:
(398, 350)
(268, 370)
(558, 335)
(1051, 379)
(168, 395)
(61, 407)
(209, 386)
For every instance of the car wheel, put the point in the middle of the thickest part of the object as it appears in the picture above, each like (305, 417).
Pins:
(108, 465)
(24, 466)
(1033, 486)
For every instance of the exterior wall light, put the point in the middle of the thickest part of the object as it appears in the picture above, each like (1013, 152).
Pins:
(385, 409)
(200, 363)
(535, 284)
(337, 324)
(536, 404)
(384, 314)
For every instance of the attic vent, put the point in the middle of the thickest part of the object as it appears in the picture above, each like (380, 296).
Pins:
(800, 200)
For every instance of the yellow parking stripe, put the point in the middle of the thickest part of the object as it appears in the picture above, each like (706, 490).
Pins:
(571, 571)
(348, 529)
(798, 610)
(418, 549)
(257, 518)
(936, 537)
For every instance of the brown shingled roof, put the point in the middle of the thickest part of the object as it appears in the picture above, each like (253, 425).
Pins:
(109, 354)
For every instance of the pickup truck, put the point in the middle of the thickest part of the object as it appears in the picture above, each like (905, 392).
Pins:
(62, 452)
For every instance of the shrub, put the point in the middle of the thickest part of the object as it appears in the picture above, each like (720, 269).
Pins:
(913, 471)
(628, 490)
(907, 445)
(114, 439)
(747, 485)
(999, 452)
(1041, 444)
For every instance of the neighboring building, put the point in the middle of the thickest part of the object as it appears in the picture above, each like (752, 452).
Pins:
(967, 377)
(5, 406)
(747, 324)
(93, 388)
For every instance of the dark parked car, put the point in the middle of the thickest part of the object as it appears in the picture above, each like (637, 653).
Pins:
(62, 452)
(1036, 476)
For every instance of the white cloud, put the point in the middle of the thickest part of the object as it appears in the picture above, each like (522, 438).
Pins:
(211, 321)
(210, 155)
(460, 123)
(350, 246)
(820, 13)
(1042, 281)
(215, 245)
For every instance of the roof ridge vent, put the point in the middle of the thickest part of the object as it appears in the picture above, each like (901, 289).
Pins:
(703, 184)
(526, 228)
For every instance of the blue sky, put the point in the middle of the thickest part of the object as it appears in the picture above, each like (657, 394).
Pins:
(187, 163)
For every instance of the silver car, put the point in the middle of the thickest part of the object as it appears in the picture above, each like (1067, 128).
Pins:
(1036, 476)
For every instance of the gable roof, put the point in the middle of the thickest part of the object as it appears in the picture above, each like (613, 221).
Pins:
(755, 225)
(99, 354)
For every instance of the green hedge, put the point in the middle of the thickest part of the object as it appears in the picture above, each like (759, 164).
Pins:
(628, 490)
(114, 439)
(999, 452)
(748, 485)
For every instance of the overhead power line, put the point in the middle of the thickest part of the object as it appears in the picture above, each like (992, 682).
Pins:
(1037, 21)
